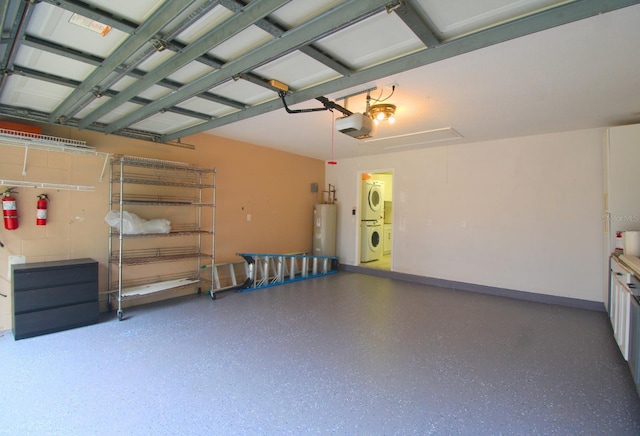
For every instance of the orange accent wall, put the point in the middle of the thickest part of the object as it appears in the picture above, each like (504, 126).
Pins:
(271, 186)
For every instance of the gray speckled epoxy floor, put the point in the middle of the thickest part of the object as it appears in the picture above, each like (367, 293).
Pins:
(342, 354)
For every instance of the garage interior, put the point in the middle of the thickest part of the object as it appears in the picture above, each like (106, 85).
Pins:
(496, 279)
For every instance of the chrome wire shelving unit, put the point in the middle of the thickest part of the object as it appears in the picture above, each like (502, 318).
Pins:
(160, 189)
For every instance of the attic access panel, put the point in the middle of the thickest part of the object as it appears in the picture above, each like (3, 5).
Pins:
(137, 80)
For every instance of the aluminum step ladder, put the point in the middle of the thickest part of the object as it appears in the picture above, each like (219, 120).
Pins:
(227, 276)
(264, 270)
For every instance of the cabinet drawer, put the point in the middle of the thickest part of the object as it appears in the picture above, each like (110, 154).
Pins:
(48, 321)
(50, 297)
(37, 278)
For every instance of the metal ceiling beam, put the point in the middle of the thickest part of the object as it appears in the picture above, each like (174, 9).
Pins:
(4, 13)
(234, 25)
(17, 33)
(410, 15)
(148, 29)
(337, 18)
(97, 14)
(65, 52)
(211, 61)
(68, 53)
(206, 58)
(45, 77)
(185, 112)
(39, 116)
(277, 31)
(63, 81)
(155, 44)
(544, 20)
(154, 38)
(222, 100)
(10, 11)
(325, 59)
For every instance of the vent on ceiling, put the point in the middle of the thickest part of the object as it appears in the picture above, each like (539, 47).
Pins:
(416, 139)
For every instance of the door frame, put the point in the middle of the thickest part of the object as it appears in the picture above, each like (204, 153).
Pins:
(359, 214)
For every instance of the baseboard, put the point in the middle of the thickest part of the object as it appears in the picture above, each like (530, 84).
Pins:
(470, 287)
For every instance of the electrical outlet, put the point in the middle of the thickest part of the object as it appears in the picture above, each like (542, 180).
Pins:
(248, 217)
(463, 224)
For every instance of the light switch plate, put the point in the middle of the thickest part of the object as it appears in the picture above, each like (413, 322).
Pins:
(15, 260)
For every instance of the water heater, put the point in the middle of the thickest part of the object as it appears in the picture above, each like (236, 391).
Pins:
(324, 229)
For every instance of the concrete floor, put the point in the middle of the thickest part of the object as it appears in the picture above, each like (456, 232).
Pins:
(342, 354)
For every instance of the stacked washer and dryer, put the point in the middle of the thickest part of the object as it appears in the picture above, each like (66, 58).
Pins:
(372, 215)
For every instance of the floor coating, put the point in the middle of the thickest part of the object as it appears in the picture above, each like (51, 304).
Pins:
(341, 354)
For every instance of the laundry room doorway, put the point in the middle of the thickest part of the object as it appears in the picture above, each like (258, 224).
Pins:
(375, 227)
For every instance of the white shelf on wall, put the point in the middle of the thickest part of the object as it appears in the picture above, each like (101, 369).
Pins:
(60, 186)
(44, 142)
(37, 141)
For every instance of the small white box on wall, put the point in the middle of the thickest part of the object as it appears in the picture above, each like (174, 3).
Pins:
(15, 260)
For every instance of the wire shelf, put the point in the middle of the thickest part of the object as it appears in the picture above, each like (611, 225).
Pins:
(176, 230)
(151, 199)
(155, 255)
(132, 283)
(162, 180)
(28, 138)
(159, 164)
(152, 288)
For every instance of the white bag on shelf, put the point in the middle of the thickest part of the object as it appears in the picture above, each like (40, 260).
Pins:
(132, 224)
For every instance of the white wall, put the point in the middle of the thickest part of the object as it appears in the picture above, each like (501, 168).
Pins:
(522, 213)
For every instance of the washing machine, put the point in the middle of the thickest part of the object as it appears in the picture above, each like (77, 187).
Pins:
(371, 241)
(372, 200)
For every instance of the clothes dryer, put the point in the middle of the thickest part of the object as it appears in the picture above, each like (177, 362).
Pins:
(371, 241)
(372, 200)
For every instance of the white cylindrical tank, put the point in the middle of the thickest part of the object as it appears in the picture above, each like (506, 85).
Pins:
(324, 229)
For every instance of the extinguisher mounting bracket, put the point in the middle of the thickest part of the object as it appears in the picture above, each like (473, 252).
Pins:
(9, 191)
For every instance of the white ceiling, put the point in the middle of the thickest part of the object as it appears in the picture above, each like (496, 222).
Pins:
(580, 74)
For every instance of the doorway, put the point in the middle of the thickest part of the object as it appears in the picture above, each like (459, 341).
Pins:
(375, 227)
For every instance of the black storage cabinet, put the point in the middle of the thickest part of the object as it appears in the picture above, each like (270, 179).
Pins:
(53, 296)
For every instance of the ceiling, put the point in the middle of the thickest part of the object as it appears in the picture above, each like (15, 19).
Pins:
(458, 72)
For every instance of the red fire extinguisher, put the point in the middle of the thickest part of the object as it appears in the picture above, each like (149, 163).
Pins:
(9, 210)
(41, 211)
